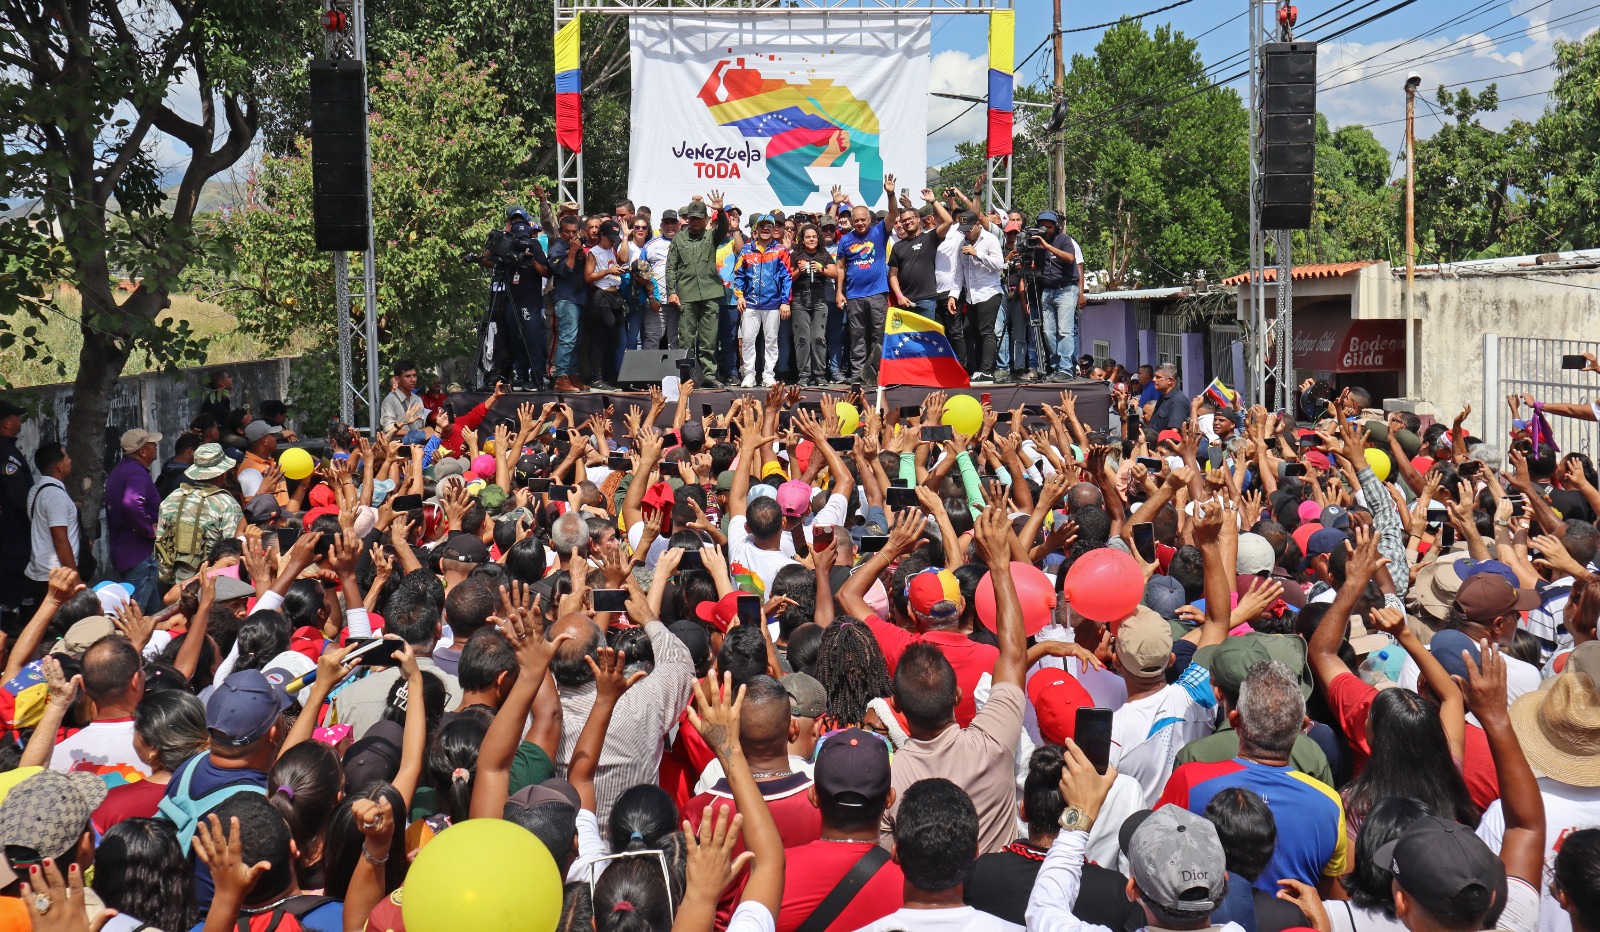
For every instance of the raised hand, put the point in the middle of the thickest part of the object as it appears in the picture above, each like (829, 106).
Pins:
(219, 850)
(715, 714)
(611, 679)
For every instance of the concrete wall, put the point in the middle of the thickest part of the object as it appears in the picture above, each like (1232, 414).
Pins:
(156, 401)
(1115, 323)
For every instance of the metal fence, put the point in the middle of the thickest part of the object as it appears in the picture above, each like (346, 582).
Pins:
(1532, 365)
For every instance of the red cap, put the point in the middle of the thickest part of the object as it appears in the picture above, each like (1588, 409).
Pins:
(1317, 458)
(1056, 698)
(657, 496)
(721, 613)
(931, 587)
(1169, 434)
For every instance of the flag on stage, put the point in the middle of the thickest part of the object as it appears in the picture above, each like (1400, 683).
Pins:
(569, 88)
(916, 352)
(1002, 51)
(1221, 395)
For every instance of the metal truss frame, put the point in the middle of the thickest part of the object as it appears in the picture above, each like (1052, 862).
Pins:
(569, 165)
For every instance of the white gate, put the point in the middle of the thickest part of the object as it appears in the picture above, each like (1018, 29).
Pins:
(1532, 365)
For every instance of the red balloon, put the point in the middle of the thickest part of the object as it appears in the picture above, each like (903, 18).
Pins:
(1035, 591)
(1105, 585)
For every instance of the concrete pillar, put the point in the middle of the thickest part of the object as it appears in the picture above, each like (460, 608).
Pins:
(1193, 376)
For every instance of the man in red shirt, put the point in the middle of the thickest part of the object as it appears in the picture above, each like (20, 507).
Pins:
(852, 791)
(933, 598)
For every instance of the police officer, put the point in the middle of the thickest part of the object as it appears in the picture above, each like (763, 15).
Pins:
(16, 478)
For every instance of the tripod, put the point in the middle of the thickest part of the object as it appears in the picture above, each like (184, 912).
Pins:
(1030, 291)
(492, 361)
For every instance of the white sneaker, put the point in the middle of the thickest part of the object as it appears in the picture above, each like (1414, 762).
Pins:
(748, 382)
(769, 381)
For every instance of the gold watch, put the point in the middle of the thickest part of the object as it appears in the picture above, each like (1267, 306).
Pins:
(1074, 819)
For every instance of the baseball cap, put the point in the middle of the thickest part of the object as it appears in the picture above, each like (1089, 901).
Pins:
(807, 698)
(853, 768)
(694, 641)
(1465, 569)
(1324, 541)
(243, 708)
(465, 548)
(692, 435)
(1144, 642)
(934, 592)
(375, 758)
(967, 220)
(1169, 435)
(721, 613)
(255, 430)
(113, 595)
(1446, 646)
(262, 509)
(49, 810)
(84, 631)
(1176, 858)
(760, 490)
(1013, 226)
(515, 211)
(1438, 862)
(1049, 215)
(724, 480)
(1487, 596)
(1164, 595)
(7, 409)
(537, 794)
(1310, 511)
(1255, 555)
(1057, 696)
(1335, 516)
(669, 216)
(133, 439)
(288, 667)
(794, 498)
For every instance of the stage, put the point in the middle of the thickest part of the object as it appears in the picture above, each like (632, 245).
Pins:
(1094, 399)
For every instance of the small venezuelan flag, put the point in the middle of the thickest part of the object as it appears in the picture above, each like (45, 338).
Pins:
(1221, 395)
(916, 352)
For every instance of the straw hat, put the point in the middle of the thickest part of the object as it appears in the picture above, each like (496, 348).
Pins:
(1559, 726)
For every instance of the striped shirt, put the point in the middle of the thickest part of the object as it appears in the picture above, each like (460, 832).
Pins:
(643, 718)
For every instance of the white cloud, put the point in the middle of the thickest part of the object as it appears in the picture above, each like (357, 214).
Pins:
(1355, 89)
(955, 72)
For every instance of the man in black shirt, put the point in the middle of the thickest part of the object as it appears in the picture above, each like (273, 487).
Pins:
(1060, 264)
(912, 281)
(16, 478)
(1170, 410)
(525, 308)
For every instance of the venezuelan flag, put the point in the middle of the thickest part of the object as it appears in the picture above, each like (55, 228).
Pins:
(916, 352)
(569, 88)
(1002, 52)
(1221, 395)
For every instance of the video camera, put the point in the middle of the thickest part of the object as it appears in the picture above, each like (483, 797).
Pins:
(510, 247)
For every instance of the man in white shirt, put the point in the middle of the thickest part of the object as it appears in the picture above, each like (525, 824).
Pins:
(662, 315)
(978, 274)
(52, 515)
(1159, 718)
(113, 678)
(402, 408)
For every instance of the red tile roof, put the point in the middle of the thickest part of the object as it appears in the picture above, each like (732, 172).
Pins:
(1306, 272)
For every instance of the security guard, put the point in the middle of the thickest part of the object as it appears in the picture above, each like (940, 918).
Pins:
(16, 478)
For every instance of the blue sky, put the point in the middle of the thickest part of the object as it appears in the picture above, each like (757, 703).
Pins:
(1490, 38)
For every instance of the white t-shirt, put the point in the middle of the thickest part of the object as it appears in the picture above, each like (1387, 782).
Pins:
(636, 534)
(1521, 677)
(953, 919)
(100, 747)
(1523, 908)
(751, 916)
(1146, 734)
(49, 506)
(1567, 808)
(948, 259)
(1345, 916)
(745, 557)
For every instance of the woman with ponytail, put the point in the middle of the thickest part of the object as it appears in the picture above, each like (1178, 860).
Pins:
(304, 786)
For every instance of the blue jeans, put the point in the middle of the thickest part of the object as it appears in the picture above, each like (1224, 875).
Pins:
(927, 307)
(566, 335)
(1060, 326)
(1002, 331)
(142, 576)
(527, 356)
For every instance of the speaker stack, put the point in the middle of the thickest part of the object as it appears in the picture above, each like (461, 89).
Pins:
(339, 154)
(1289, 134)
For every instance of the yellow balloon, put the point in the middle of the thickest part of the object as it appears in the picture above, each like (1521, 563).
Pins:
(849, 418)
(964, 414)
(1379, 463)
(296, 463)
(483, 874)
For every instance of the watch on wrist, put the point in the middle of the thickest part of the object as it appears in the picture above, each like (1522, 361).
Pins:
(1074, 819)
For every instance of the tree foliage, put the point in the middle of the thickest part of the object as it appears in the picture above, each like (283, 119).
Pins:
(442, 149)
(91, 88)
(1568, 149)
(1355, 213)
(1469, 180)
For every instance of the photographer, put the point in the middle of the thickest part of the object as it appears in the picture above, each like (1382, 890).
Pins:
(1060, 263)
(512, 339)
(1017, 356)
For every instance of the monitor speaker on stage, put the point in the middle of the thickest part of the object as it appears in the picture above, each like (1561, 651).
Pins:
(1289, 135)
(339, 154)
(650, 366)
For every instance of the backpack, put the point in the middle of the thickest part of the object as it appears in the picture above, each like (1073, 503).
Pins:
(285, 916)
(185, 812)
(183, 541)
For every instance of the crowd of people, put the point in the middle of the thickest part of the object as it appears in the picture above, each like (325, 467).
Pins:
(797, 298)
(800, 666)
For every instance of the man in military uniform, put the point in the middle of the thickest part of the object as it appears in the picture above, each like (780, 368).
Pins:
(16, 478)
(198, 515)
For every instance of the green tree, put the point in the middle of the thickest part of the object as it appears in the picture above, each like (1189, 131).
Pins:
(1355, 212)
(1568, 149)
(441, 149)
(1156, 159)
(1469, 201)
(91, 86)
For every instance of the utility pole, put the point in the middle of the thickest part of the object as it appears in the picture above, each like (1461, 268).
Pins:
(1412, 83)
(1058, 166)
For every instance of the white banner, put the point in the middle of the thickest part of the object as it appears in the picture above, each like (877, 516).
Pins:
(773, 111)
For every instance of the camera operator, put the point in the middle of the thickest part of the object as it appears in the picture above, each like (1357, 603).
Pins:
(1059, 260)
(1018, 357)
(512, 340)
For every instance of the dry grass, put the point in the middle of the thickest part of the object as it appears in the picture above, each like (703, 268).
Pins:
(62, 340)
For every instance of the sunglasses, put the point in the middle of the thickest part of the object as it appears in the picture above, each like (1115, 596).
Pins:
(640, 226)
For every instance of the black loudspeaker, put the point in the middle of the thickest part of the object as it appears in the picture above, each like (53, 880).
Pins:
(1288, 135)
(650, 366)
(339, 154)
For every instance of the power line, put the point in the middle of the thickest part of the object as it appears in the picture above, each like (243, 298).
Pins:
(1422, 35)
(1129, 16)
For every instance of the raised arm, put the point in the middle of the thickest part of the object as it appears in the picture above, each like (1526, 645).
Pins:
(524, 629)
(993, 529)
(1522, 844)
